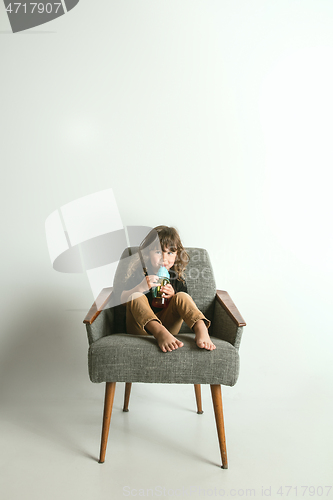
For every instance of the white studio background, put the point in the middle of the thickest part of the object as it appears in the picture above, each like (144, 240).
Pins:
(213, 116)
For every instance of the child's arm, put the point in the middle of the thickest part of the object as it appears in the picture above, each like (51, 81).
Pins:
(143, 287)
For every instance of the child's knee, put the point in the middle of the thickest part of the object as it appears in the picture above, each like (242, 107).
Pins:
(184, 302)
(137, 299)
(183, 297)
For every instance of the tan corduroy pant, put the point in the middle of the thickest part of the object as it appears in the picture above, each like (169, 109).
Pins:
(181, 308)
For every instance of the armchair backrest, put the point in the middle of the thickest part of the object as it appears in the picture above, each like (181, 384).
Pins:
(199, 278)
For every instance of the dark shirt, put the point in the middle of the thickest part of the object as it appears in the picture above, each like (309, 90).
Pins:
(138, 275)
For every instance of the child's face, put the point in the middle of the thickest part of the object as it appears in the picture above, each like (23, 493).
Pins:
(160, 258)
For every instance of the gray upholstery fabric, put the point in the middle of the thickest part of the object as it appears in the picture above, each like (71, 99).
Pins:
(115, 356)
(102, 326)
(223, 327)
(200, 283)
(134, 358)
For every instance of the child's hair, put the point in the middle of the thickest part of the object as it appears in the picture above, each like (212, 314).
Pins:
(168, 238)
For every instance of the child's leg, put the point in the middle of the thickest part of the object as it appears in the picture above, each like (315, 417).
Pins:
(165, 339)
(182, 307)
(202, 337)
(140, 319)
(138, 314)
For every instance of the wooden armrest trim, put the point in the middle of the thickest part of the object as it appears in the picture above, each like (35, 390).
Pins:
(226, 302)
(94, 311)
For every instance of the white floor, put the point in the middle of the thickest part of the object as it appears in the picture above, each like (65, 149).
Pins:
(51, 417)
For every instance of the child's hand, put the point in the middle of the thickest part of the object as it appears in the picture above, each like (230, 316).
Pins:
(148, 282)
(167, 291)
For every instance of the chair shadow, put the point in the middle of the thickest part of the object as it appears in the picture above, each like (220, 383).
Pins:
(154, 435)
(40, 370)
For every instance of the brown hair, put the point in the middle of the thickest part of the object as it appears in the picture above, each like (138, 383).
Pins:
(168, 238)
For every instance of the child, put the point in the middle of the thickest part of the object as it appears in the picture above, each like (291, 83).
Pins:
(141, 317)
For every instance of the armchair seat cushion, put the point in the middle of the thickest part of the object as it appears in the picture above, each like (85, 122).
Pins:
(137, 358)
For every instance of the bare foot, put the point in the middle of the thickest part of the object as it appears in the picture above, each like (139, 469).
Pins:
(202, 337)
(166, 341)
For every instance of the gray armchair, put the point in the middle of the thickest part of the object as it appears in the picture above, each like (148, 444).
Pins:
(116, 356)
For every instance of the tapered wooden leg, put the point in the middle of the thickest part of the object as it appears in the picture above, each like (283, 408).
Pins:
(108, 403)
(128, 387)
(218, 410)
(197, 389)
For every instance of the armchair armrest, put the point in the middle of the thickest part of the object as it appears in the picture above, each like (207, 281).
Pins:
(100, 318)
(227, 303)
(102, 300)
(227, 321)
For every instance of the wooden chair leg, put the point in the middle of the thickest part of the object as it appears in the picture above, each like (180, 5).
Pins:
(128, 387)
(108, 403)
(218, 410)
(197, 390)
